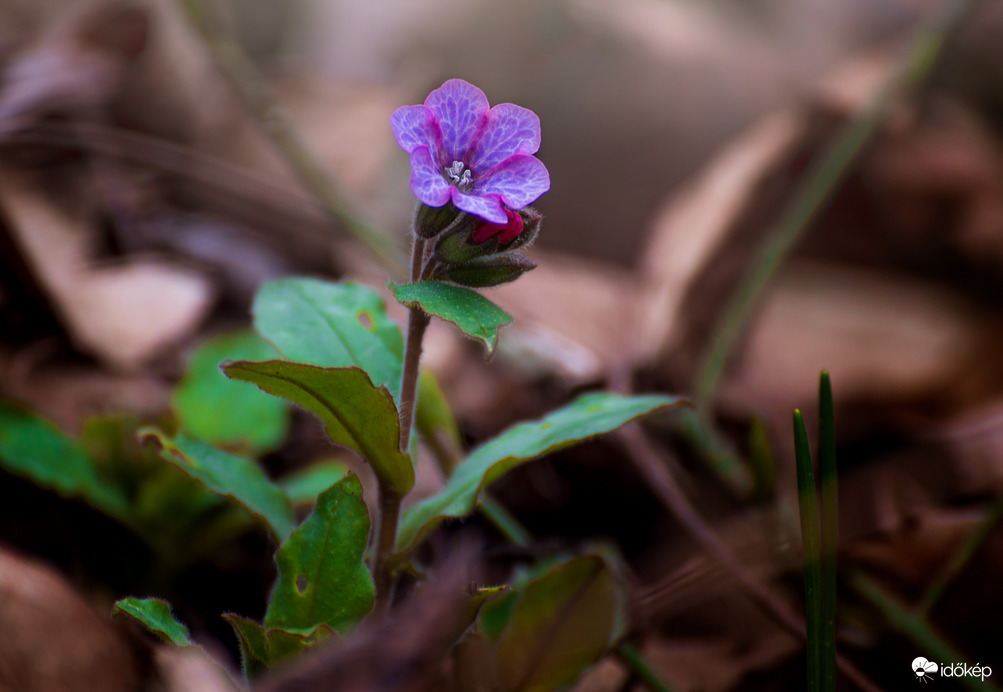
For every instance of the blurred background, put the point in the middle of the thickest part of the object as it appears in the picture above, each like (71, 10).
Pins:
(152, 177)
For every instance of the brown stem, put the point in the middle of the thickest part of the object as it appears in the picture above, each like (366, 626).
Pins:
(386, 543)
(417, 323)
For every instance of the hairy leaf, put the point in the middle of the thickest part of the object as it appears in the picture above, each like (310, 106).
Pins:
(229, 475)
(588, 416)
(472, 313)
(263, 647)
(155, 614)
(34, 448)
(323, 578)
(355, 413)
(223, 412)
(331, 325)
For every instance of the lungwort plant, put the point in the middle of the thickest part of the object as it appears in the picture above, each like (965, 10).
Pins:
(331, 349)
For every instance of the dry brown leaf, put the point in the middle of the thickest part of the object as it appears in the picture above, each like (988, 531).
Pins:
(701, 220)
(51, 640)
(124, 315)
(878, 335)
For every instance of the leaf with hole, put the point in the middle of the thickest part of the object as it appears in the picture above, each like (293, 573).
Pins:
(331, 325)
(231, 476)
(323, 578)
(355, 413)
(561, 623)
(155, 614)
(34, 448)
(263, 647)
(472, 313)
(588, 416)
(225, 413)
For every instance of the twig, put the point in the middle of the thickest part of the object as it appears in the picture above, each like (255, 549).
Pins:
(821, 181)
(276, 124)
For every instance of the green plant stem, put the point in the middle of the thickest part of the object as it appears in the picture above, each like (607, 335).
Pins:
(633, 659)
(386, 542)
(502, 519)
(282, 132)
(820, 183)
(960, 559)
(829, 520)
(914, 626)
(808, 510)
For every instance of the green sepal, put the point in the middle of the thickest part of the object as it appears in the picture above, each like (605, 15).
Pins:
(489, 271)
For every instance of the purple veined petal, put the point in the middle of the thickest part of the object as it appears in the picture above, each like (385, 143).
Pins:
(508, 130)
(487, 207)
(427, 182)
(519, 181)
(459, 108)
(415, 126)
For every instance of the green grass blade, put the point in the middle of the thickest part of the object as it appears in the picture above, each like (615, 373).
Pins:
(830, 530)
(808, 505)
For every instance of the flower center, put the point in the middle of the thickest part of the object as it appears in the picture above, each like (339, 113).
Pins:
(461, 176)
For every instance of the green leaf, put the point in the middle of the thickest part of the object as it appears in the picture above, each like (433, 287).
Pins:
(229, 475)
(323, 578)
(261, 647)
(562, 623)
(304, 486)
(588, 416)
(471, 312)
(225, 413)
(34, 448)
(331, 325)
(433, 417)
(155, 614)
(355, 413)
(808, 509)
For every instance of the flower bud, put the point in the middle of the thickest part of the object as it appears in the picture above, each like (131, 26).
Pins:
(491, 270)
(431, 221)
(532, 220)
(462, 243)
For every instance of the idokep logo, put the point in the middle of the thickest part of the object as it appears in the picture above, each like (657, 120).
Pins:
(923, 668)
(926, 670)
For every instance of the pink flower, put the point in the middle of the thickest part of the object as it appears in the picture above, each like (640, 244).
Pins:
(480, 158)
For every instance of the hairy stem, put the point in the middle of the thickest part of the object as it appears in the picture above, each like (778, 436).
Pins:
(416, 325)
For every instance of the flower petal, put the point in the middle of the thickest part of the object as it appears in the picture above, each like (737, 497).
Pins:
(519, 180)
(459, 107)
(509, 129)
(427, 182)
(487, 207)
(415, 126)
